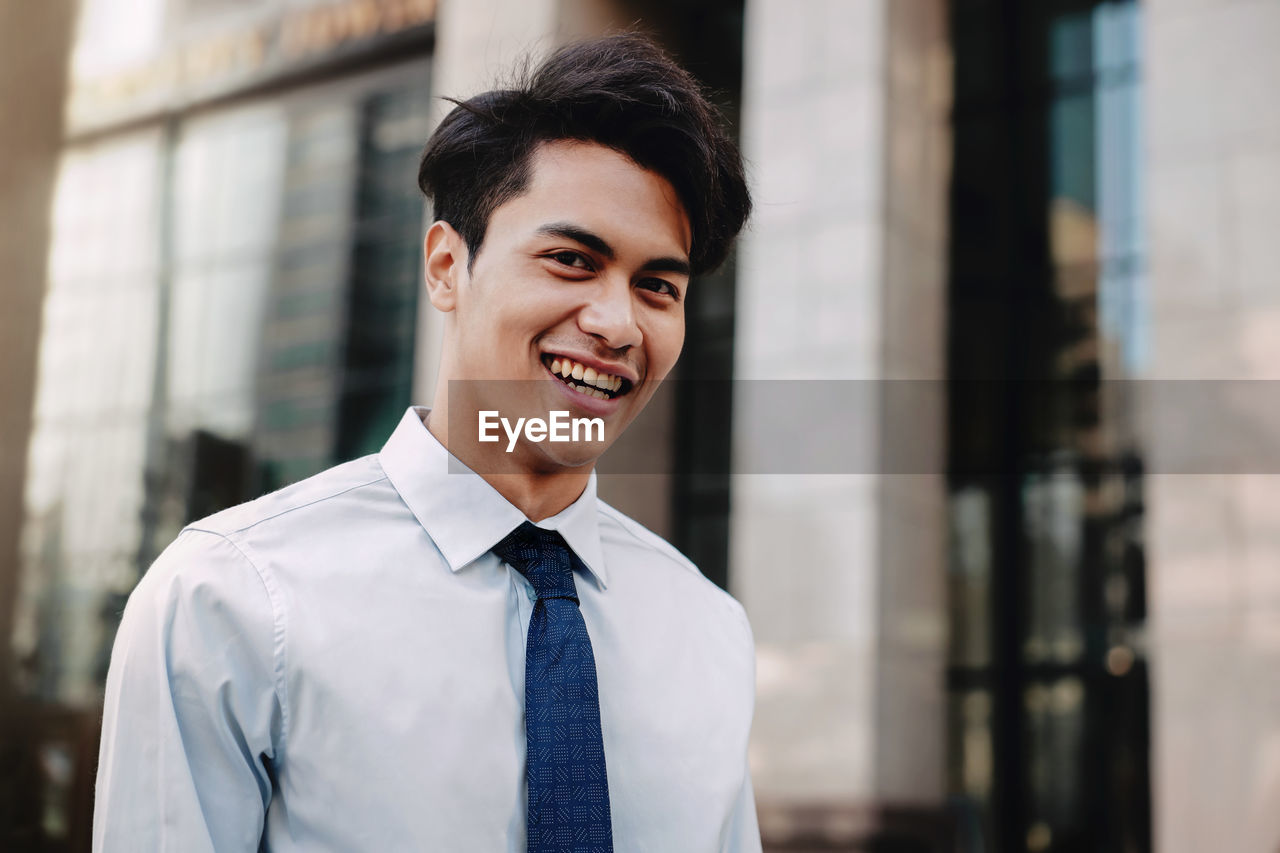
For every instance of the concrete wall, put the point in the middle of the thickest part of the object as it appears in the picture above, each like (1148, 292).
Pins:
(912, 508)
(841, 277)
(1213, 199)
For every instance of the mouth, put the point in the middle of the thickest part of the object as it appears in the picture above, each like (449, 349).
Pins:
(586, 380)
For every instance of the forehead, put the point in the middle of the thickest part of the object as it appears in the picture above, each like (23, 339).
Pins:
(601, 190)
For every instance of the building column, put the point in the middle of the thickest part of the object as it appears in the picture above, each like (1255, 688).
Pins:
(841, 278)
(476, 40)
(1213, 203)
(35, 41)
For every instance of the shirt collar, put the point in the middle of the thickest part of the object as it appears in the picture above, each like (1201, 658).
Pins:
(463, 514)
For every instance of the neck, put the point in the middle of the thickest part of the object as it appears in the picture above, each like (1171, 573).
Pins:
(538, 493)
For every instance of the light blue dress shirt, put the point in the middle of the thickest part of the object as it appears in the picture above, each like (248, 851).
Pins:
(339, 666)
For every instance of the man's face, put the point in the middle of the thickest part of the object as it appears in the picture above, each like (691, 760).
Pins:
(584, 274)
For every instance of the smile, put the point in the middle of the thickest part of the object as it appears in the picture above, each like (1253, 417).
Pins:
(586, 380)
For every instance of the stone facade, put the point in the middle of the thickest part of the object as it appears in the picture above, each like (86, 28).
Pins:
(842, 277)
(1213, 196)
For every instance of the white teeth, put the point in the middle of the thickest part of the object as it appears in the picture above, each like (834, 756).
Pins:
(599, 395)
(568, 368)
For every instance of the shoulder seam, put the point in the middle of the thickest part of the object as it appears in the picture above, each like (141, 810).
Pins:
(278, 650)
(672, 552)
(287, 510)
(629, 524)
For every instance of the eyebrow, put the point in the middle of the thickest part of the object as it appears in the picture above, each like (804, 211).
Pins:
(600, 246)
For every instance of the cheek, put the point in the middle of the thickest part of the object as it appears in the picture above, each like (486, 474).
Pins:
(666, 340)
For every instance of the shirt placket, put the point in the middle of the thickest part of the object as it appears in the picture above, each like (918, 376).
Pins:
(525, 596)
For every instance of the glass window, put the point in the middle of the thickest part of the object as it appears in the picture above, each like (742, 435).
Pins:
(1048, 685)
(85, 471)
(231, 307)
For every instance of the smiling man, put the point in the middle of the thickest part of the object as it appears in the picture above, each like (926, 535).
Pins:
(580, 279)
(446, 646)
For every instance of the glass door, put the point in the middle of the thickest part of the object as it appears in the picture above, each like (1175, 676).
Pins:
(1048, 716)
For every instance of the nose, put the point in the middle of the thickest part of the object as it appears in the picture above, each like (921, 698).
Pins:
(610, 315)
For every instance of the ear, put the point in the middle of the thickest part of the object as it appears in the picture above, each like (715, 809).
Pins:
(444, 266)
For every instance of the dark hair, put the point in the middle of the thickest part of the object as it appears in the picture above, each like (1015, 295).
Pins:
(621, 91)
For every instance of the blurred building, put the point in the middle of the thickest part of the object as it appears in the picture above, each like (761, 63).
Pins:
(1025, 632)
(34, 42)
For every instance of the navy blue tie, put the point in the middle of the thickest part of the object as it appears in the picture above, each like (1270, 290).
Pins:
(568, 787)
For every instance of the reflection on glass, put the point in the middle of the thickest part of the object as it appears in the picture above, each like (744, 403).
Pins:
(1048, 290)
(970, 770)
(1054, 503)
(226, 212)
(382, 299)
(970, 577)
(1055, 732)
(1095, 180)
(269, 254)
(84, 484)
(300, 369)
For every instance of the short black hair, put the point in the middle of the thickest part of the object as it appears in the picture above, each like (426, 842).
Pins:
(621, 91)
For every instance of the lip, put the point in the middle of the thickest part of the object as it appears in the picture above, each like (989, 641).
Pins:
(590, 405)
(600, 366)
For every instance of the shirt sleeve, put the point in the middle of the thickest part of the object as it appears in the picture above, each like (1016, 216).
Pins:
(193, 711)
(742, 833)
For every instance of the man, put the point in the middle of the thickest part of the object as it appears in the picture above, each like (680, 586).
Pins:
(453, 645)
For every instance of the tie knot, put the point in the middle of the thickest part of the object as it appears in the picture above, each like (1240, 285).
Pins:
(543, 557)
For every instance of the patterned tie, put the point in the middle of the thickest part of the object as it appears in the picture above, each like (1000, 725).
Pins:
(568, 786)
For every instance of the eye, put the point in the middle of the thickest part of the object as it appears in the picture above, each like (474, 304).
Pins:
(570, 259)
(658, 285)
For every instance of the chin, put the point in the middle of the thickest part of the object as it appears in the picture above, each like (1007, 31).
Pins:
(570, 458)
